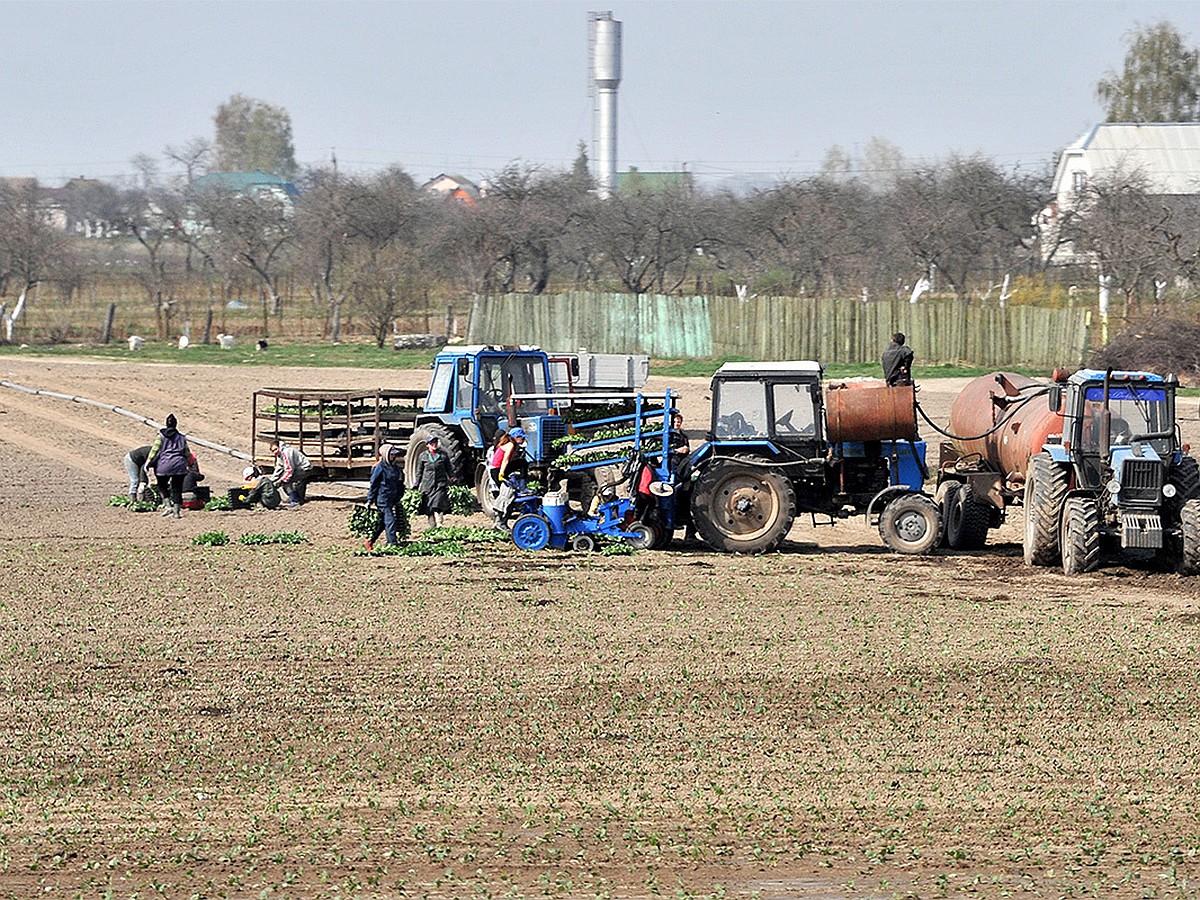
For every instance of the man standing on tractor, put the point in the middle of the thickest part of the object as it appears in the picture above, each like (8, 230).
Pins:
(897, 362)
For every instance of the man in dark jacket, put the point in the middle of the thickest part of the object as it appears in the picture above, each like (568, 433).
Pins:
(897, 361)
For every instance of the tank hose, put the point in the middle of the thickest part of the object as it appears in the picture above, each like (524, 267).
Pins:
(1000, 424)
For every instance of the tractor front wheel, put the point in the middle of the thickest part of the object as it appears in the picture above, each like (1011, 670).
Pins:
(1189, 562)
(1046, 486)
(1080, 537)
(911, 524)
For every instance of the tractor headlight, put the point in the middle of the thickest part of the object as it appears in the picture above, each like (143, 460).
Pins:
(1113, 487)
(1169, 490)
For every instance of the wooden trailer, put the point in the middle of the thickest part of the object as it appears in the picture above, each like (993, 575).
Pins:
(339, 431)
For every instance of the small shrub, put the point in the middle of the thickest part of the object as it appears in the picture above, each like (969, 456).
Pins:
(211, 539)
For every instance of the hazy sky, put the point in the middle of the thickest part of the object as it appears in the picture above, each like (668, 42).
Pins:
(751, 88)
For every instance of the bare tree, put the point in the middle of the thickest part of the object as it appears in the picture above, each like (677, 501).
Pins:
(193, 156)
(28, 247)
(251, 231)
(1123, 230)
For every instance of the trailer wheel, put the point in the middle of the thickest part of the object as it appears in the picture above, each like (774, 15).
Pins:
(531, 532)
(966, 518)
(911, 524)
(644, 536)
(1189, 561)
(1046, 486)
(739, 508)
(448, 442)
(1080, 538)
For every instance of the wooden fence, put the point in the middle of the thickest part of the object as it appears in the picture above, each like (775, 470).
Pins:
(832, 331)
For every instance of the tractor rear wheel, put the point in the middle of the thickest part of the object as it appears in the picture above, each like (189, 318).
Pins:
(911, 524)
(447, 440)
(1046, 486)
(742, 508)
(966, 518)
(1189, 562)
(483, 489)
(1080, 537)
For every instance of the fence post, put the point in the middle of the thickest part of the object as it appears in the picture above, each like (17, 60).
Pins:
(108, 323)
(208, 326)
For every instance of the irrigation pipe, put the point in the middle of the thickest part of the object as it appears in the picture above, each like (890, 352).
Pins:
(129, 414)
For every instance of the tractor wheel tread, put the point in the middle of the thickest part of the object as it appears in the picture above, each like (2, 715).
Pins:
(1046, 487)
(1080, 538)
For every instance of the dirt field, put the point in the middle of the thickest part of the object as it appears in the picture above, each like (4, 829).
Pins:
(828, 721)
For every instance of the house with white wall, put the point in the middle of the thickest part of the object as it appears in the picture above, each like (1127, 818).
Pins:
(1165, 155)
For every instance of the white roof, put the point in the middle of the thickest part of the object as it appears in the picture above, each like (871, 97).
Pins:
(791, 367)
(1166, 153)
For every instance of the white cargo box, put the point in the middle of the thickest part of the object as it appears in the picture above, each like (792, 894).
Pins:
(584, 371)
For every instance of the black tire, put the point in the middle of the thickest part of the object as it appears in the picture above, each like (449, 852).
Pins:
(911, 524)
(448, 442)
(966, 518)
(1046, 485)
(1079, 540)
(665, 536)
(483, 491)
(1189, 560)
(1185, 478)
(741, 508)
(645, 536)
(583, 543)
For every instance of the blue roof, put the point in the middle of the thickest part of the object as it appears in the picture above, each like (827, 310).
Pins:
(243, 182)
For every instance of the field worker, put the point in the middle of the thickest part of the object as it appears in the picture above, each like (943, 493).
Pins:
(510, 466)
(385, 490)
(169, 461)
(433, 480)
(292, 471)
(135, 468)
(897, 361)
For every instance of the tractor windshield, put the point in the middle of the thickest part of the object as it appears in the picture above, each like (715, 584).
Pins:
(500, 376)
(1135, 410)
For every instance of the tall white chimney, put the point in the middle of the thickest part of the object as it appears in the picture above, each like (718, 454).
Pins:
(605, 45)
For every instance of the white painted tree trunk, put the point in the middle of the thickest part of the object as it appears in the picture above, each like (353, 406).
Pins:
(10, 319)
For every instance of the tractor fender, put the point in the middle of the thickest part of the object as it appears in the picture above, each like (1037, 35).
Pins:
(886, 496)
(1057, 453)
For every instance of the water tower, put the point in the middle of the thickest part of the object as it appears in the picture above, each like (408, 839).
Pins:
(604, 45)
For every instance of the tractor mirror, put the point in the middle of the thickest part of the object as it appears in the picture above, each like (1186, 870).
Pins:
(575, 367)
(464, 367)
(1054, 397)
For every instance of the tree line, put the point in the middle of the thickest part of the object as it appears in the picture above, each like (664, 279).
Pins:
(376, 246)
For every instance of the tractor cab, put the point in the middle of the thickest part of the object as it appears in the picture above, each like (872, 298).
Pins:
(778, 403)
(1122, 425)
(473, 388)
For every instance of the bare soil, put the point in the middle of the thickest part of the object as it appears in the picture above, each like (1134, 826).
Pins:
(831, 720)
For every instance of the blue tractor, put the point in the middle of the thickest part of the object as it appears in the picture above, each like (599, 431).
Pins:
(784, 443)
(473, 395)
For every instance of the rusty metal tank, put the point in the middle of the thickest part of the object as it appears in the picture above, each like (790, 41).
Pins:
(869, 410)
(1001, 396)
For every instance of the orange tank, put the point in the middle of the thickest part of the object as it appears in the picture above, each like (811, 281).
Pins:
(999, 397)
(870, 411)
